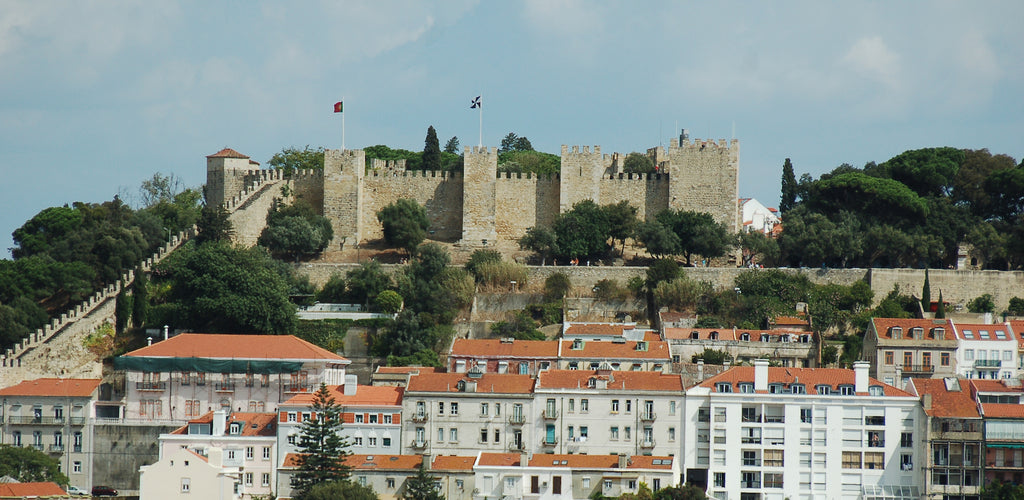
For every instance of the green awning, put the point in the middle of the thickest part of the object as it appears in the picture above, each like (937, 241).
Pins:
(206, 365)
(1004, 445)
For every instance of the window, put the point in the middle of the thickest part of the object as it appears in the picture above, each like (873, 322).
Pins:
(292, 416)
(440, 408)
(846, 390)
(615, 406)
(926, 360)
(628, 431)
(454, 408)
(390, 483)
(359, 418)
(773, 458)
(907, 440)
(772, 479)
(629, 405)
(291, 439)
(440, 433)
(373, 441)
(823, 390)
(851, 459)
(186, 485)
(908, 359)
(483, 435)
(584, 405)
(874, 460)
(386, 442)
(572, 406)
(720, 479)
(723, 387)
(266, 453)
(250, 453)
(76, 467)
(798, 389)
(888, 357)
(746, 387)
(671, 407)
(614, 431)
(556, 485)
(265, 479)
(453, 434)
(583, 432)
(534, 484)
(968, 354)
(373, 418)
(484, 409)
(387, 419)
(805, 415)
(497, 435)
(264, 380)
(248, 478)
(671, 433)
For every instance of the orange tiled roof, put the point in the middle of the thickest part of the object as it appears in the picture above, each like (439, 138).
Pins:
(791, 321)
(499, 348)
(253, 424)
(228, 153)
(615, 350)
(1002, 410)
(883, 327)
(617, 380)
(647, 462)
(366, 395)
(981, 331)
(946, 403)
(1017, 327)
(443, 462)
(499, 459)
(992, 386)
(291, 461)
(383, 462)
(809, 377)
(408, 369)
(228, 346)
(608, 329)
(499, 383)
(31, 490)
(702, 333)
(63, 387)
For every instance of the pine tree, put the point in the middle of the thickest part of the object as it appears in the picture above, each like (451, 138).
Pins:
(452, 146)
(322, 450)
(431, 151)
(940, 313)
(926, 293)
(422, 486)
(789, 187)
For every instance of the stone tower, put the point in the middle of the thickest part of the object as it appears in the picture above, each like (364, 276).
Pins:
(704, 177)
(480, 173)
(581, 176)
(225, 175)
(343, 194)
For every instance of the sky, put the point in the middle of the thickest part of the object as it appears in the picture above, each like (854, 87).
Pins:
(98, 96)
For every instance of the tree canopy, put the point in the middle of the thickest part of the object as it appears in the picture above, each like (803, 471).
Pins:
(296, 230)
(321, 449)
(405, 224)
(292, 159)
(29, 465)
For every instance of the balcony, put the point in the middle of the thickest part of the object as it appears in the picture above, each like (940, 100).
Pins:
(550, 414)
(918, 369)
(77, 420)
(987, 363)
(58, 448)
(647, 443)
(750, 484)
(38, 447)
(514, 446)
(224, 387)
(648, 416)
(751, 418)
(36, 420)
(875, 443)
(150, 386)
(906, 466)
(419, 444)
(548, 441)
(419, 417)
(774, 419)
(297, 388)
(519, 419)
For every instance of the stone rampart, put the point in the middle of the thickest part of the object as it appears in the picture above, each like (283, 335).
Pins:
(647, 192)
(958, 287)
(440, 193)
(524, 201)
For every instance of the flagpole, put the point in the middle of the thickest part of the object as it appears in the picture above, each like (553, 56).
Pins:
(480, 142)
(343, 124)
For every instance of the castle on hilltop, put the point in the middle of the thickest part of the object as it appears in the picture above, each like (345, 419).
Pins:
(480, 205)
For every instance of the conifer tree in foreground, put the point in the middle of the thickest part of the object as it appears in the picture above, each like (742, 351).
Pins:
(322, 450)
(422, 486)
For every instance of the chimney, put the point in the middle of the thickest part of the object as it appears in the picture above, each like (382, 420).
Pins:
(428, 461)
(215, 456)
(926, 401)
(166, 329)
(899, 377)
(860, 376)
(700, 370)
(623, 461)
(220, 418)
(351, 382)
(524, 459)
(760, 375)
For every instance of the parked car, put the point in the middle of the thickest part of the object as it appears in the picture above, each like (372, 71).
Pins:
(103, 491)
(75, 491)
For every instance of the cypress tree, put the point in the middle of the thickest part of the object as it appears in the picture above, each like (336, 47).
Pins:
(140, 298)
(122, 309)
(431, 151)
(789, 187)
(940, 313)
(926, 293)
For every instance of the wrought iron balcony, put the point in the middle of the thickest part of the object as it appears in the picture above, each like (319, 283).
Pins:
(550, 414)
(515, 419)
(224, 387)
(36, 420)
(987, 363)
(59, 448)
(419, 417)
(419, 444)
(150, 386)
(648, 416)
(918, 368)
(514, 446)
(647, 443)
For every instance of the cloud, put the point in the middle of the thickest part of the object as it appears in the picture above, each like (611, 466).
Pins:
(871, 59)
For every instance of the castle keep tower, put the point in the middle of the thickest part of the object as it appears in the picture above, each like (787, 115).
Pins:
(225, 175)
(705, 178)
(580, 176)
(344, 171)
(478, 195)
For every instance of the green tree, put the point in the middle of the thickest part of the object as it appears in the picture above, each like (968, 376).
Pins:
(296, 230)
(758, 247)
(122, 308)
(926, 293)
(998, 490)
(940, 312)
(481, 257)
(712, 357)
(982, 304)
(508, 143)
(452, 146)
(214, 225)
(520, 327)
(405, 336)
(431, 151)
(1016, 306)
(969, 182)
(219, 288)
(582, 232)
(292, 160)
(333, 292)
(622, 222)
(540, 240)
(659, 240)
(404, 224)
(422, 486)
(829, 355)
(140, 298)
(637, 163)
(366, 282)
(389, 301)
(683, 492)
(789, 188)
(44, 229)
(29, 465)
(339, 490)
(698, 233)
(322, 450)
(556, 286)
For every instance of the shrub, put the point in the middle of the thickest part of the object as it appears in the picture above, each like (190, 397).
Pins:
(983, 304)
(500, 274)
(389, 301)
(481, 257)
(712, 357)
(556, 286)
(607, 289)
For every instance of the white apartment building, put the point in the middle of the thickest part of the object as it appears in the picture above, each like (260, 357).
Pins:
(463, 413)
(986, 351)
(248, 442)
(184, 474)
(802, 433)
(607, 412)
(191, 374)
(619, 353)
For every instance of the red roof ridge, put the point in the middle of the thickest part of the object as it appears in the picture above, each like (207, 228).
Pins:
(228, 153)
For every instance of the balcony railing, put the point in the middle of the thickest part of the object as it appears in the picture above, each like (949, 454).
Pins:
(36, 420)
(419, 417)
(514, 446)
(750, 484)
(39, 447)
(150, 386)
(987, 363)
(875, 443)
(77, 420)
(918, 368)
(224, 387)
(57, 448)
(906, 466)
(545, 441)
(751, 440)
(751, 418)
(519, 419)
(419, 444)
(550, 414)
(774, 419)
(298, 388)
(648, 416)
(647, 443)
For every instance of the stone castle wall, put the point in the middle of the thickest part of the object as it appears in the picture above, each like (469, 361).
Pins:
(523, 201)
(647, 192)
(440, 193)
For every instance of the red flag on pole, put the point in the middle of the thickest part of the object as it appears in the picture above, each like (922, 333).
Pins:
(337, 107)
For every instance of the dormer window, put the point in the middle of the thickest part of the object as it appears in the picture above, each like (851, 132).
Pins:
(723, 387)
(784, 338)
(765, 337)
(577, 344)
(746, 387)
(917, 332)
(745, 336)
(235, 428)
(897, 332)
(984, 334)
(1000, 334)
(641, 345)
(775, 389)
(591, 382)
(968, 334)
(824, 390)
(939, 333)
(713, 336)
(846, 390)
(876, 390)
(805, 339)
(694, 335)
(797, 389)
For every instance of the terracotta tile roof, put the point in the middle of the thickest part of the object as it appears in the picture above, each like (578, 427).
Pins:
(809, 377)
(652, 336)
(607, 329)
(1002, 410)
(31, 490)
(200, 457)
(674, 316)
(443, 462)
(228, 153)
(615, 350)
(947, 403)
(499, 459)
(992, 386)
(253, 424)
(366, 395)
(383, 462)
(575, 461)
(791, 321)
(883, 327)
(499, 383)
(408, 369)
(647, 462)
(63, 387)
(1017, 327)
(228, 346)
(617, 380)
(702, 333)
(981, 331)
(291, 461)
(499, 348)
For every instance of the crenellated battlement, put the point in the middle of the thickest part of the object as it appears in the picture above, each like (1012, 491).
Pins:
(704, 144)
(378, 164)
(480, 150)
(575, 150)
(528, 176)
(444, 174)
